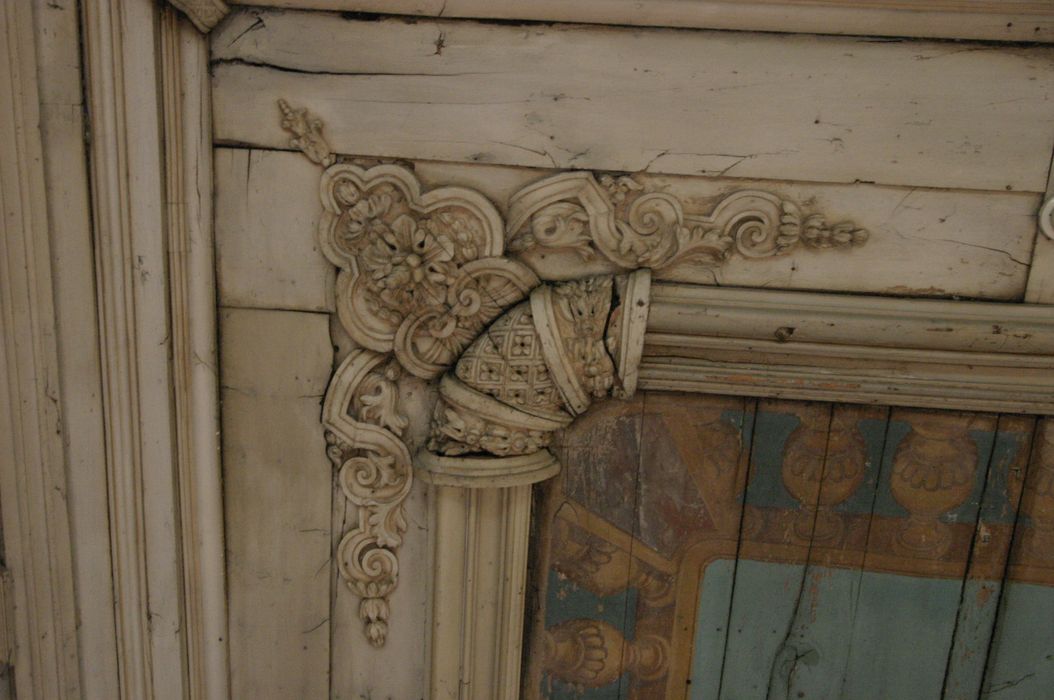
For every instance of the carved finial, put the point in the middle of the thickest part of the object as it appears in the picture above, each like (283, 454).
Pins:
(307, 133)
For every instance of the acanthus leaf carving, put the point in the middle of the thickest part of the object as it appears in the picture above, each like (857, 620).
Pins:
(617, 220)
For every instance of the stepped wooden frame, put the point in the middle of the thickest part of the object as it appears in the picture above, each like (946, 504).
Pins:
(152, 325)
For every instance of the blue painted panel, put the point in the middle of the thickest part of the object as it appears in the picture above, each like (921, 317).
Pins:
(766, 598)
(1021, 663)
(901, 635)
(711, 630)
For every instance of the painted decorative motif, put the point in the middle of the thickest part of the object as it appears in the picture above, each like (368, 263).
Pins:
(1038, 501)
(933, 472)
(823, 464)
(689, 560)
(618, 220)
(592, 653)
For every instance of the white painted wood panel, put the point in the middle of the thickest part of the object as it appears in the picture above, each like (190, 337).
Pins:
(277, 489)
(963, 19)
(923, 242)
(743, 105)
(266, 255)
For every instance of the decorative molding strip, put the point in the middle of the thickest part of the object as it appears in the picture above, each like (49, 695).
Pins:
(617, 220)
(205, 14)
(939, 354)
(36, 527)
(195, 379)
(156, 309)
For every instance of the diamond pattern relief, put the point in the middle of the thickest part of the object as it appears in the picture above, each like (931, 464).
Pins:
(506, 362)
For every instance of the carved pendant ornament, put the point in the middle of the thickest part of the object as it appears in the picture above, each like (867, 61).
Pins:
(436, 284)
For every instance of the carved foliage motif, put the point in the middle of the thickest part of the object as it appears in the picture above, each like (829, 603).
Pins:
(619, 221)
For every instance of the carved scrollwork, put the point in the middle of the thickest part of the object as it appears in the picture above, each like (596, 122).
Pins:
(617, 220)
(364, 440)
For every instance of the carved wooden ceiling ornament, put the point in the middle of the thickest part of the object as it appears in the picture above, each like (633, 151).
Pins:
(425, 286)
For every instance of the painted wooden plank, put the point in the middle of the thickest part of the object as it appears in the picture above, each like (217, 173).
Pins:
(818, 638)
(966, 19)
(1021, 658)
(267, 211)
(600, 454)
(1022, 663)
(277, 486)
(694, 462)
(758, 105)
(989, 557)
(903, 626)
(789, 446)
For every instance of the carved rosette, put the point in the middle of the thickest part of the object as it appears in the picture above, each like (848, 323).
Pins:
(421, 274)
(617, 220)
(532, 371)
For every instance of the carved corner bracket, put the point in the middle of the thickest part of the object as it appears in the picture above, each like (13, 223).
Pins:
(425, 286)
